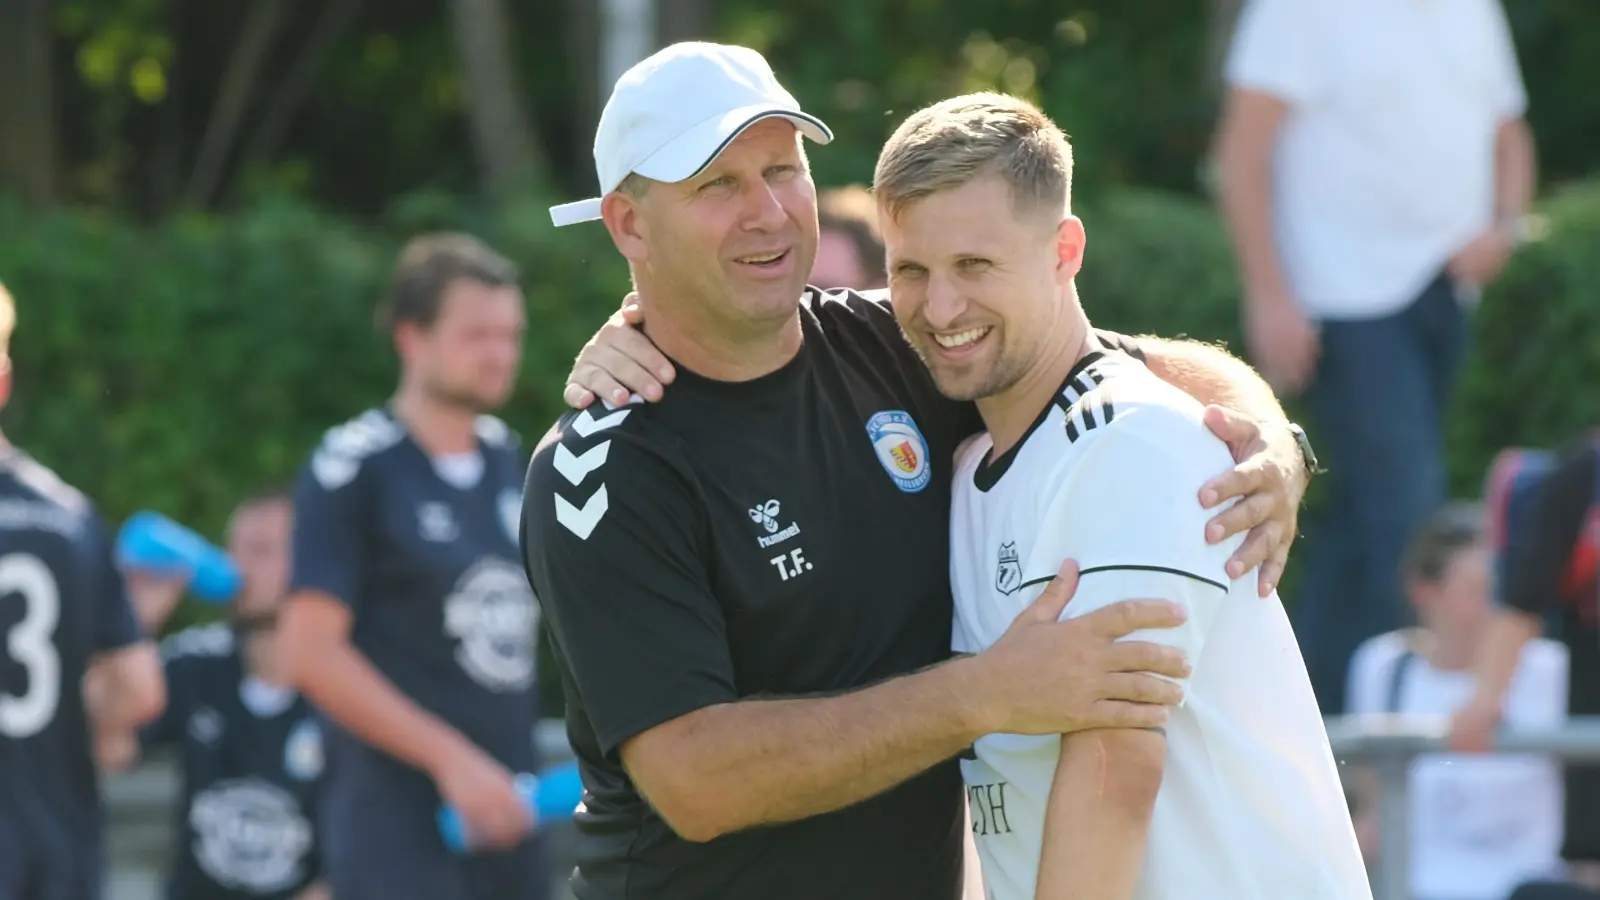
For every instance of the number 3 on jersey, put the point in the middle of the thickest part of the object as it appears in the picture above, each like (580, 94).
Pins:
(29, 644)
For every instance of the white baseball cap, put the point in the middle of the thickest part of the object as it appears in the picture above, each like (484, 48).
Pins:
(671, 114)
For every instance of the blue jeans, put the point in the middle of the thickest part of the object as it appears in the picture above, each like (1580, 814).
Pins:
(1378, 403)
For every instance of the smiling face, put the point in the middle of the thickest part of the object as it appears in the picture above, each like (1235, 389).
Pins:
(979, 286)
(737, 240)
(973, 204)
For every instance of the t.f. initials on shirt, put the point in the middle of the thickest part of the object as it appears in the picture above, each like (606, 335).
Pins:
(791, 565)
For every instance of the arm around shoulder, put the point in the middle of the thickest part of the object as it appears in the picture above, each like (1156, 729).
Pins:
(1213, 376)
(646, 645)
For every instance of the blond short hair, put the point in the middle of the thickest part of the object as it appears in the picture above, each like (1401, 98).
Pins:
(955, 141)
(8, 321)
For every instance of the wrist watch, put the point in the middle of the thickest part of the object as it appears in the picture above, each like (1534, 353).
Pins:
(1307, 455)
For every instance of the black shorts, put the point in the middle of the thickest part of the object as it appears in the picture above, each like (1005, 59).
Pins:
(521, 873)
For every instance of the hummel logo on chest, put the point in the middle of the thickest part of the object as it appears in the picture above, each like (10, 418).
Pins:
(766, 515)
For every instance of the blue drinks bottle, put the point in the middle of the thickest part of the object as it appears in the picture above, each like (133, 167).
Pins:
(552, 795)
(149, 540)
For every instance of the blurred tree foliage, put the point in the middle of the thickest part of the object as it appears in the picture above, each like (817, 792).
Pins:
(1124, 80)
(356, 101)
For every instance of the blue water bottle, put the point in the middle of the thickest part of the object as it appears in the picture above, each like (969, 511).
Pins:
(552, 795)
(149, 540)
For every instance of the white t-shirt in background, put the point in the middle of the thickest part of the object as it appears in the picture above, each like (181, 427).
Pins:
(1384, 167)
(1251, 806)
(1480, 824)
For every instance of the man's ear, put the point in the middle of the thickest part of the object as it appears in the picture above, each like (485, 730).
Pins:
(625, 221)
(408, 338)
(1070, 240)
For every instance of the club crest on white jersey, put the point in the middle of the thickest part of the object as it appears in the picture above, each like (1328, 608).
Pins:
(1008, 574)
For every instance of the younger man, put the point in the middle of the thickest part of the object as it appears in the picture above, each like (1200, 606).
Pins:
(1089, 456)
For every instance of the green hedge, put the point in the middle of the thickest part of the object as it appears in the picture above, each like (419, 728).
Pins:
(176, 366)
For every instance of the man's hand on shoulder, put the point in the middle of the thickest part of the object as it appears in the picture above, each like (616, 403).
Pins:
(1046, 675)
(618, 361)
(1270, 475)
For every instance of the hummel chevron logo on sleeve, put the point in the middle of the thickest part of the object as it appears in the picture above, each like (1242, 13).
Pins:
(586, 424)
(576, 468)
(582, 520)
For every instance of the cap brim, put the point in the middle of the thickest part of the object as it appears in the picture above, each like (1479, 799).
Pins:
(575, 212)
(686, 155)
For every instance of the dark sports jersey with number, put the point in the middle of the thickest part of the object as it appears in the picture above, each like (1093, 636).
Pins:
(250, 761)
(441, 607)
(785, 536)
(61, 602)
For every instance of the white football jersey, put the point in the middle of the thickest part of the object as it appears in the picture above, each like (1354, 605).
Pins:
(1251, 806)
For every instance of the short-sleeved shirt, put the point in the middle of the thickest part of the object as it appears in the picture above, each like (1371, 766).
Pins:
(1385, 164)
(1481, 824)
(779, 537)
(62, 601)
(1109, 475)
(440, 605)
(1552, 565)
(251, 756)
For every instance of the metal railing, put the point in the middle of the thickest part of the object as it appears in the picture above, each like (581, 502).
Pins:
(1389, 742)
